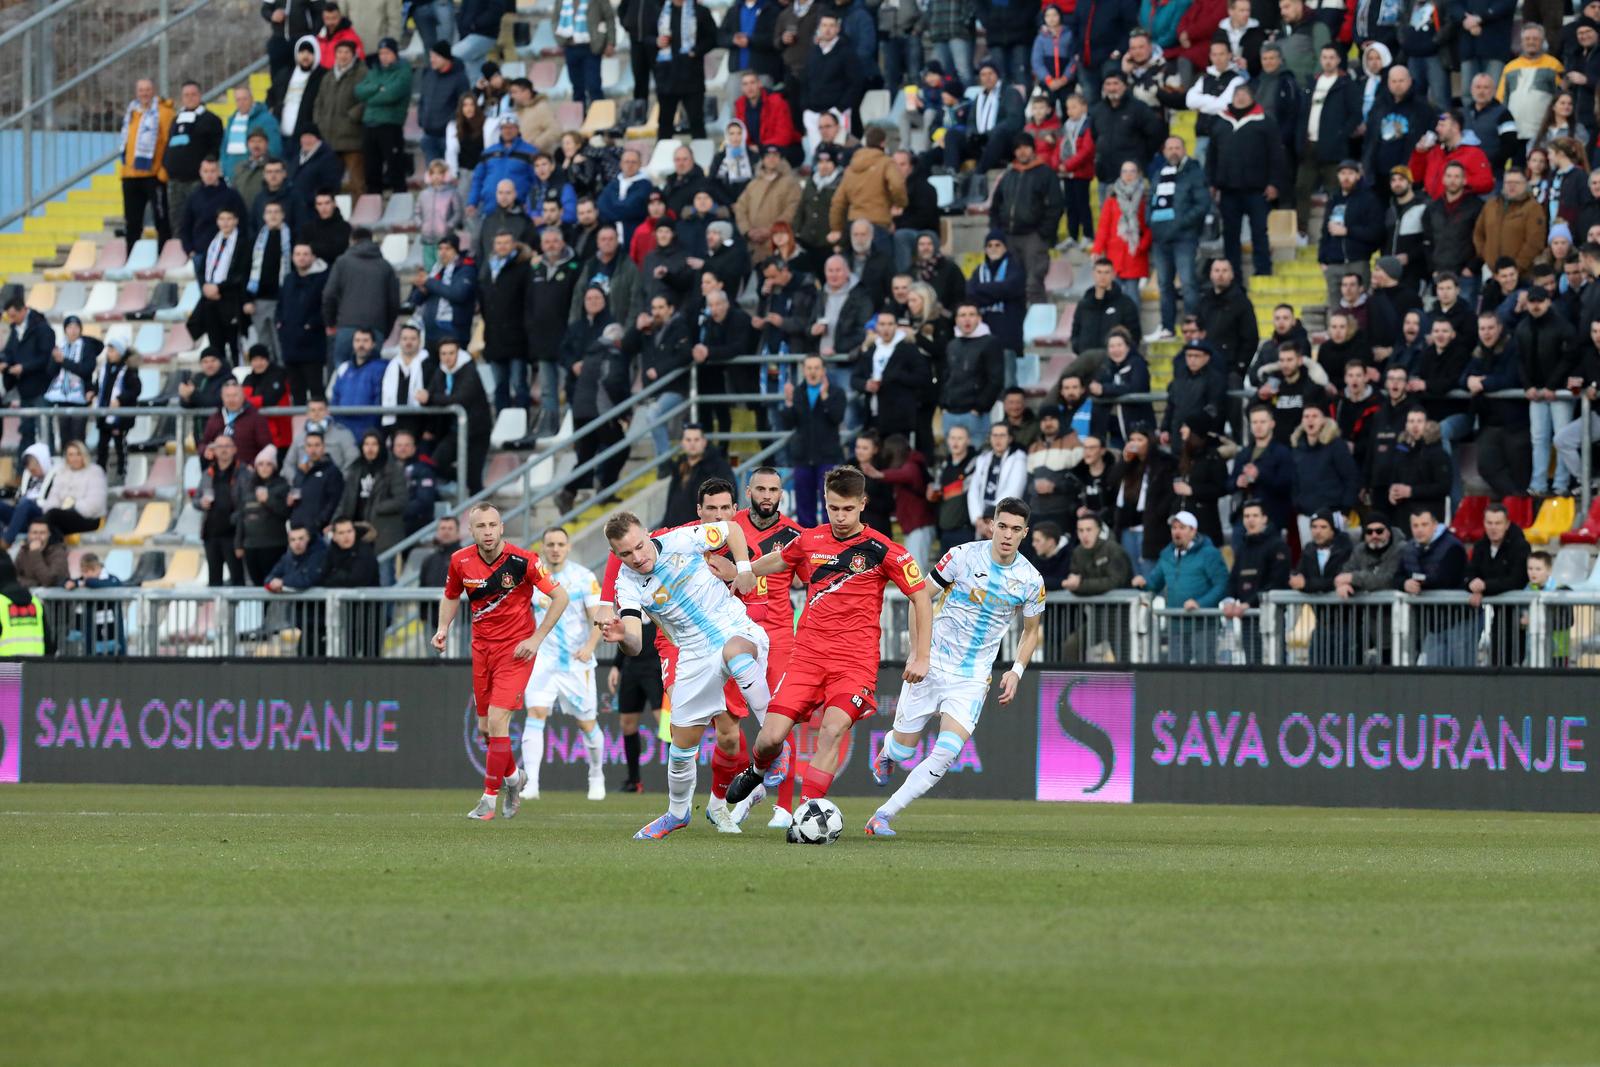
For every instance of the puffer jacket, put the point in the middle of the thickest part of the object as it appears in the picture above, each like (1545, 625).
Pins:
(870, 187)
(973, 375)
(1325, 472)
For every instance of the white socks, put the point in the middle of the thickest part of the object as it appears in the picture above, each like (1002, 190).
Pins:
(922, 777)
(594, 743)
(751, 677)
(681, 768)
(533, 748)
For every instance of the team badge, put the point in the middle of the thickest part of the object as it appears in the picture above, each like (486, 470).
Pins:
(913, 572)
(662, 596)
(507, 580)
(713, 536)
(858, 563)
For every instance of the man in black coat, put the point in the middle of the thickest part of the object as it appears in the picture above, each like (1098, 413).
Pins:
(814, 412)
(318, 486)
(986, 124)
(553, 281)
(701, 461)
(834, 80)
(196, 134)
(27, 363)
(1124, 129)
(920, 215)
(1027, 205)
(1323, 148)
(308, 72)
(1102, 309)
(1352, 231)
(1260, 565)
(198, 225)
(1395, 126)
(681, 76)
(723, 332)
(1198, 393)
(503, 282)
(1247, 167)
(1499, 564)
(1317, 573)
(316, 168)
(1228, 318)
(456, 381)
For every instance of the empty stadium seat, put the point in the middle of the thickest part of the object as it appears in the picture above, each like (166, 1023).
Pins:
(343, 202)
(142, 258)
(102, 298)
(1588, 532)
(131, 299)
(660, 164)
(1571, 566)
(163, 295)
(944, 187)
(397, 215)
(113, 254)
(188, 300)
(394, 248)
(510, 425)
(42, 297)
(569, 114)
(875, 107)
(1520, 510)
(186, 567)
(1555, 518)
(80, 258)
(1467, 523)
(119, 564)
(154, 519)
(120, 520)
(176, 344)
(1040, 322)
(368, 210)
(602, 116)
(173, 258)
(70, 298)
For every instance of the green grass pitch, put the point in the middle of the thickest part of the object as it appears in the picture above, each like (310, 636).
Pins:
(232, 926)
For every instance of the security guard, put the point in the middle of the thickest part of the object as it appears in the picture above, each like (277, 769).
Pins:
(22, 631)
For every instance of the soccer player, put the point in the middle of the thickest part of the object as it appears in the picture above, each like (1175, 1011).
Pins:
(834, 666)
(498, 580)
(986, 584)
(566, 670)
(666, 578)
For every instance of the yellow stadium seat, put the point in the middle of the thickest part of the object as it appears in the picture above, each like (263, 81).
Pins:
(81, 257)
(42, 297)
(1555, 518)
(602, 116)
(184, 568)
(155, 519)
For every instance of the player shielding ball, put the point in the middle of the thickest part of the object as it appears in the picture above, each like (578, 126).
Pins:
(834, 667)
(986, 584)
(666, 578)
(498, 580)
(564, 673)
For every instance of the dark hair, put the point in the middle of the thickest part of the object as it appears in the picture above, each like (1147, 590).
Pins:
(368, 330)
(1104, 262)
(765, 469)
(1498, 508)
(16, 303)
(621, 523)
(1503, 262)
(1543, 557)
(691, 426)
(441, 343)
(521, 83)
(1015, 390)
(1052, 530)
(846, 482)
(360, 233)
(1259, 406)
(712, 487)
(1012, 506)
(1284, 307)
(876, 137)
(1253, 502)
(1289, 345)
(309, 434)
(562, 530)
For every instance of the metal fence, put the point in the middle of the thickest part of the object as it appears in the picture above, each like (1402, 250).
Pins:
(68, 67)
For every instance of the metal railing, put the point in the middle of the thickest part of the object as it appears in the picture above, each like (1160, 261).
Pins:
(67, 74)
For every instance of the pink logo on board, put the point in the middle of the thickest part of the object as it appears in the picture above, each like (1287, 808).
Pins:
(1085, 737)
(10, 722)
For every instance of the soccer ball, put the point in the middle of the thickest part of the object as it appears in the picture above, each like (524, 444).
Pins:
(817, 822)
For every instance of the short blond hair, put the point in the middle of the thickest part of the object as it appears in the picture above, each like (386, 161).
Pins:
(620, 523)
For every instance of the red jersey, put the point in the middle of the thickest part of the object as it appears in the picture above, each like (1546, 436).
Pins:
(768, 604)
(844, 587)
(500, 594)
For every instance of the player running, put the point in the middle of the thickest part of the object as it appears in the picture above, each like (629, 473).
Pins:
(498, 580)
(986, 584)
(834, 665)
(566, 670)
(666, 577)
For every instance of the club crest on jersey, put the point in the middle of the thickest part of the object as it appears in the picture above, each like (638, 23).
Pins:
(507, 580)
(858, 563)
(661, 596)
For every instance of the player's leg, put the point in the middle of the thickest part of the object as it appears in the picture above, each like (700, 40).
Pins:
(917, 704)
(728, 758)
(746, 665)
(954, 729)
(798, 693)
(533, 747)
(581, 700)
(817, 778)
(498, 684)
(696, 700)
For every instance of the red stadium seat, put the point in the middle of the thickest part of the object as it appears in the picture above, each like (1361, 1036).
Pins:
(1468, 522)
(1588, 532)
(1521, 509)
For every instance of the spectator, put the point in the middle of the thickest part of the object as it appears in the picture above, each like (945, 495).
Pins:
(362, 293)
(411, 369)
(1435, 560)
(315, 168)
(765, 114)
(509, 160)
(260, 517)
(503, 300)
(624, 198)
(1053, 493)
(456, 381)
(905, 470)
(1198, 392)
(1452, 142)
(1143, 494)
(198, 224)
(337, 113)
(665, 268)
(1323, 561)
(1019, 418)
(318, 487)
(1354, 411)
(951, 482)
(71, 379)
(325, 231)
(1325, 473)
(507, 216)
(1264, 469)
(1512, 224)
(1346, 345)
(34, 481)
(443, 84)
(1420, 471)
(1528, 84)
(773, 196)
(1352, 231)
(203, 392)
(292, 97)
(1260, 565)
(445, 295)
(872, 188)
(464, 143)
(422, 489)
(75, 501)
(440, 212)
(601, 377)
(240, 420)
(1291, 388)
(814, 412)
(1247, 167)
(1569, 443)
(302, 341)
(1438, 373)
(446, 543)
(196, 136)
(1124, 129)
(375, 496)
(334, 32)
(1192, 573)
(1050, 557)
(248, 115)
(1484, 42)
(1228, 319)
(701, 461)
(813, 219)
(722, 333)
(1099, 565)
(338, 442)
(1395, 124)
(1546, 350)
(1200, 479)
(1499, 564)
(878, 511)
(1027, 206)
(225, 269)
(146, 131)
(115, 387)
(297, 570)
(385, 94)
(973, 373)
(1211, 94)
(661, 340)
(999, 287)
(1124, 232)
(920, 217)
(1179, 203)
(1077, 169)
(275, 188)
(1000, 472)
(615, 274)
(219, 492)
(359, 382)
(832, 80)
(1503, 444)
(733, 167)
(42, 560)
(685, 32)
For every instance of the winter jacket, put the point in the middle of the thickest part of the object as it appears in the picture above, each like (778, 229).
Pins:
(1001, 297)
(910, 482)
(1494, 39)
(321, 487)
(870, 186)
(195, 135)
(663, 349)
(1101, 29)
(270, 389)
(1200, 21)
(1448, 230)
(1337, 122)
(1101, 569)
(812, 221)
(446, 299)
(973, 373)
(757, 22)
(1013, 481)
(301, 336)
(1511, 228)
(1428, 167)
(250, 432)
(1425, 467)
(222, 487)
(357, 384)
(31, 349)
(686, 482)
(236, 132)
(1246, 153)
(321, 172)
(1128, 131)
(385, 504)
(1027, 200)
(1362, 216)
(1179, 200)
(907, 380)
(1439, 565)
(199, 223)
(386, 94)
(1500, 368)
(1504, 570)
(338, 110)
(440, 94)
(1197, 573)
(362, 291)
(329, 237)
(502, 301)
(681, 75)
(1052, 55)
(1548, 350)
(513, 220)
(1274, 485)
(1393, 130)
(1527, 87)
(620, 279)
(1229, 320)
(1325, 473)
(303, 571)
(1260, 566)
(503, 162)
(1111, 421)
(1109, 242)
(260, 524)
(815, 424)
(1202, 396)
(1096, 316)
(767, 201)
(777, 123)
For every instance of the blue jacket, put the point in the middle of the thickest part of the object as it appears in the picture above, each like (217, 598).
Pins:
(237, 131)
(301, 337)
(1179, 213)
(302, 572)
(1110, 419)
(358, 384)
(33, 353)
(460, 292)
(569, 199)
(1442, 563)
(1102, 28)
(1199, 574)
(512, 161)
(1274, 484)
(1002, 299)
(629, 210)
(1325, 471)
(1495, 40)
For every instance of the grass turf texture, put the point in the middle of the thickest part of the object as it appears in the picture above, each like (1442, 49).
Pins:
(188, 925)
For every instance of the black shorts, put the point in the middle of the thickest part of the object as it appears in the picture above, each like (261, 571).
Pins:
(639, 690)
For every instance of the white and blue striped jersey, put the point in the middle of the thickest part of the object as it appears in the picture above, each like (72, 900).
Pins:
(683, 595)
(980, 600)
(572, 631)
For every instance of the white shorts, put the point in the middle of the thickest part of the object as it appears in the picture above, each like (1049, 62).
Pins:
(697, 695)
(574, 688)
(960, 698)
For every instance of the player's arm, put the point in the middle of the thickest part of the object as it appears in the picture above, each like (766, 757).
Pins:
(921, 634)
(779, 560)
(559, 600)
(449, 605)
(744, 579)
(586, 653)
(626, 630)
(1032, 633)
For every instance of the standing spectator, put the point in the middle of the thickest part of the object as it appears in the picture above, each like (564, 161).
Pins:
(1191, 572)
(1449, 226)
(271, 255)
(832, 80)
(1246, 166)
(1503, 443)
(661, 339)
(359, 382)
(1124, 372)
(443, 84)
(478, 22)
(614, 273)
(198, 225)
(237, 418)
(814, 413)
(1260, 565)
(1373, 567)
(601, 376)
(226, 268)
(1102, 26)
(1201, 477)
(1019, 418)
(1142, 497)
(267, 386)
(292, 97)
(503, 301)
(338, 443)
(1179, 203)
(1124, 232)
(375, 496)
(362, 293)
(315, 168)
(511, 159)
(71, 379)
(1077, 167)
(1420, 472)
(42, 561)
(146, 129)
(1123, 128)
(445, 296)
(440, 212)
(300, 568)
(318, 487)
(1323, 559)
(872, 188)
(1212, 93)
(337, 113)
(1325, 473)
(1436, 561)
(422, 488)
(1000, 472)
(385, 94)
(1352, 231)
(248, 115)
(1105, 307)
(773, 196)
(506, 216)
(260, 517)
(905, 470)
(893, 376)
(368, 20)
(410, 369)
(1264, 469)
(685, 32)
(1395, 124)
(1027, 206)
(987, 125)
(551, 284)
(1291, 388)
(952, 482)
(1498, 564)
(701, 462)
(999, 287)
(1484, 41)
(947, 31)
(1546, 347)
(1451, 142)
(196, 136)
(748, 31)
(456, 381)
(973, 373)
(1228, 318)
(202, 392)
(352, 563)
(1512, 224)
(623, 201)
(325, 230)
(1009, 30)
(1528, 84)
(1198, 392)
(218, 499)
(289, 21)
(1333, 112)
(302, 341)
(1354, 410)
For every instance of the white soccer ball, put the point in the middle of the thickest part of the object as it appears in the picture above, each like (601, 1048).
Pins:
(816, 822)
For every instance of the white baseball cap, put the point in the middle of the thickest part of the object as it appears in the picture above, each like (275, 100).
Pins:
(1187, 519)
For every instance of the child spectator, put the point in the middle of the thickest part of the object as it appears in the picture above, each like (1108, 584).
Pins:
(1076, 153)
(1558, 619)
(1045, 128)
(98, 623)
(439, 212)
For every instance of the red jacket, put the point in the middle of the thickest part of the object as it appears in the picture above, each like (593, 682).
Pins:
(1130, 262)
(1080, 164)
(1428, 168)
(910, 481)
(327, 43)
(777, 124)
(1047, 140)
(1200, 23)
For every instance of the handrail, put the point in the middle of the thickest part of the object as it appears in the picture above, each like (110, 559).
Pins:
(38, 18)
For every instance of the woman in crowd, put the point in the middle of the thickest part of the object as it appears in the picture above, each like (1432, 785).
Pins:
(1123, 235)
(463, 143)
(375, 494)
(733, 167)
(261, 516)
(949, 489)
(1123, 373)
(72, 379)
(76, 500)
(1145, 500)
(879, 510)
(1562, 119)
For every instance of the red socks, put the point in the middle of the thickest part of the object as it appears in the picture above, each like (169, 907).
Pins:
(499, 765)
(814, 784)
(724, 767)
(761, 764)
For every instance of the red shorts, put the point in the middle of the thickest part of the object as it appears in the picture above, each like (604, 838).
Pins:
(777, 661)
(498, 678)
(813, 683)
